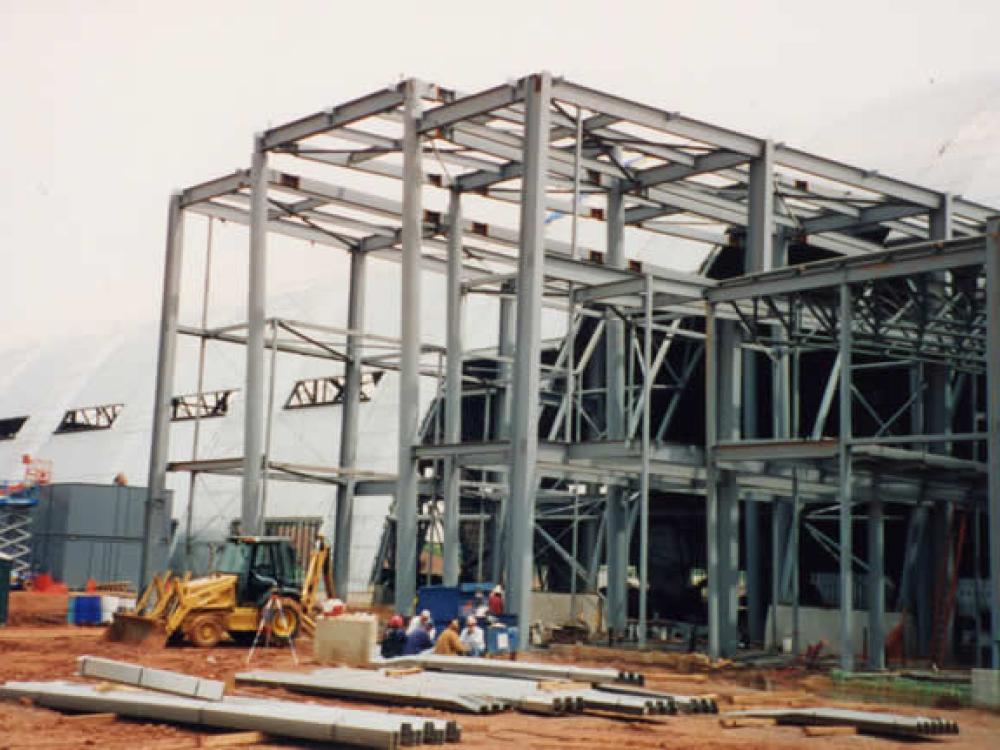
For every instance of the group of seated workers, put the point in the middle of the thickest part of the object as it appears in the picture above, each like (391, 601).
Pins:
(421, 636)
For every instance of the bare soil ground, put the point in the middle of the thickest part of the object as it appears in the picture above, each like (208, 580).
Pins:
(36, 648)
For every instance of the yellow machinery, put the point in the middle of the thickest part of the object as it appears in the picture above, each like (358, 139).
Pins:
(253, 571)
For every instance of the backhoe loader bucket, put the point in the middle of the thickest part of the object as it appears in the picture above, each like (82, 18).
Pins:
(135, 629)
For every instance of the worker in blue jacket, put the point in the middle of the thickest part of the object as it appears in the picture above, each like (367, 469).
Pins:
(417, 641)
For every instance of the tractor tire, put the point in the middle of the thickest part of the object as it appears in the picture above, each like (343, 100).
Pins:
(205, 630)
(286, 624)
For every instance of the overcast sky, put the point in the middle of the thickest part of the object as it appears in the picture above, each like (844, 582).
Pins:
(108, 106)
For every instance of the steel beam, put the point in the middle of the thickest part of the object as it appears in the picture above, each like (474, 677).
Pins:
(166, 359)
(349, 423)
(335, 117)
(507, 330)
(845, 479)
(409, 369)
(821, 274)
(876, 585)
(527, 358)
(993, 426)
(453, 392)
(468, 107)
(253, 415)
(617, 539)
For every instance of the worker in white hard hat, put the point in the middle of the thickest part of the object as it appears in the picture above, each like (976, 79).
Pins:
(424, 621)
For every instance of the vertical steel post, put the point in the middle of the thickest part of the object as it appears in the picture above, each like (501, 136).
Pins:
(876, 583)
(759, 257)
(196, 437)
(796, 526)
(350, 418)
(722, 399)
(253, 415)
(527, 357)
(166, 358)
(647, 399)
(844, 463)
(409, 363)
(711, 484)
(269, 423)
(505, 350)
(616, 513)
(993, 427)
(453, 393)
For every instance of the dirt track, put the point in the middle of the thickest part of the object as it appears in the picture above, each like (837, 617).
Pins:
(34, 651)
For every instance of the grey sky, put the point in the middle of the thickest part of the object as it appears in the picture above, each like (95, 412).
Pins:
(108, 106)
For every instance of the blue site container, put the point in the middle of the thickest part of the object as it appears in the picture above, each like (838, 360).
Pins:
(501, 639)
(85, 610)
(441, 602)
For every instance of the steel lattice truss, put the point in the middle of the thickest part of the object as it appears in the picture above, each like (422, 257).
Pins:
(435, 179)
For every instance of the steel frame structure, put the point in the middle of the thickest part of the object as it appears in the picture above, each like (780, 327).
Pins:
(543, 144)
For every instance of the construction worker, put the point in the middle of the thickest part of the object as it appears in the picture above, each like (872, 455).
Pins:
(449, 643)
(418, 641)
(472, 637)
(422, 621)
(496, 601)
(394, 640)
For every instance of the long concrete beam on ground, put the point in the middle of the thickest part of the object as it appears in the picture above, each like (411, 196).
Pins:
(530, 670)
(350, 727)
(866, 722)
(162, 680)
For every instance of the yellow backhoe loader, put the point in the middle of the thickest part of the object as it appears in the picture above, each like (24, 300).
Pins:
(252, 572)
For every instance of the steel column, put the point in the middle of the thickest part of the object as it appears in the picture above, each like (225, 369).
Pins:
(505, 350)
(993, 426)
(876, 585)
(722, 393)
(166, 358)
(349, 423)
(647, 397)
(614, 381)
(253, 416)
(759, 257)
(453, 392)
(527, 358)
(409, 363)
(844, 463)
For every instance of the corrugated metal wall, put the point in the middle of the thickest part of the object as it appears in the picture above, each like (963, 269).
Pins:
(83, 531)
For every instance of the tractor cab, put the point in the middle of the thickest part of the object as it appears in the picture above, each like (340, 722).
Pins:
(262, 564)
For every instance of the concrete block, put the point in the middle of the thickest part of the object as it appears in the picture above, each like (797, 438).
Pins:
(162, 680)
(347, 639)
(210, 690)
(986, 688)
(110, 670)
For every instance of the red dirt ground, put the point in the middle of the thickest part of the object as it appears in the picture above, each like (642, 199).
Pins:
(34, 650)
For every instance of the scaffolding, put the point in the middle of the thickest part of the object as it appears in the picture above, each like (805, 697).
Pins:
(814, 269)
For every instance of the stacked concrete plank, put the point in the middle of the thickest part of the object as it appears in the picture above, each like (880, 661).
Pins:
(464, 692)
(529, 670)
(866, 722)
(162, 680)
(350, 727)
(688, 704)
(357, 684)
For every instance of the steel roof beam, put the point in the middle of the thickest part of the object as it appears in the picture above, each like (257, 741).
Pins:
(335, 117)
